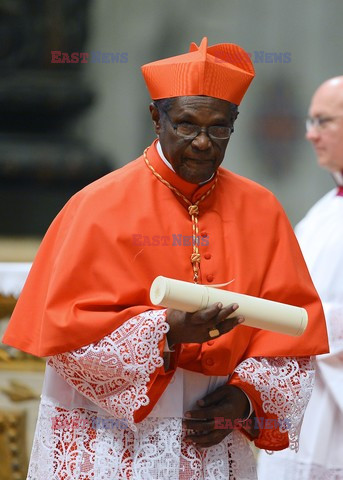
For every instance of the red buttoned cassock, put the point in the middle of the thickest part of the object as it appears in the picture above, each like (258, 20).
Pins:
(99, 257)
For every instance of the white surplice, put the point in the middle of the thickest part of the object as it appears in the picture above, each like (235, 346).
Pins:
(320, 455)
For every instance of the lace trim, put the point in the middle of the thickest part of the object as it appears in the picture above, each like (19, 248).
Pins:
(71, 449)
(114, 372)
(285, 384)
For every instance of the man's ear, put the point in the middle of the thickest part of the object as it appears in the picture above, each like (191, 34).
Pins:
(156, 119)
(235, 115)
(234, 118)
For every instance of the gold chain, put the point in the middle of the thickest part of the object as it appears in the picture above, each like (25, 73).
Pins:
(193, 210)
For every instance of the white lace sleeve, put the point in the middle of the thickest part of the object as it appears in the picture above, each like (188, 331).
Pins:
(285, 385)
(114, 372)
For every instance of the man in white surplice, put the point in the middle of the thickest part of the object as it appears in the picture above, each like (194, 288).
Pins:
(320, 233)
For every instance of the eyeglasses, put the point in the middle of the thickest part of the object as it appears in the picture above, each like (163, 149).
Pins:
(319, 123)
(189, 131)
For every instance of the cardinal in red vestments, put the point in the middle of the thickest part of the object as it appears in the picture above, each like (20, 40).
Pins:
(191, 390)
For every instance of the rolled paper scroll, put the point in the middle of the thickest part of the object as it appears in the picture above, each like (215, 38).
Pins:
(258, 312)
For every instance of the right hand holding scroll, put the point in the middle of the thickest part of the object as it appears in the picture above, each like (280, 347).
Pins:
(201, 326)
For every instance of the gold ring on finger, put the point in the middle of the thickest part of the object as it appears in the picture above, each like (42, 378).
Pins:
(214, 332)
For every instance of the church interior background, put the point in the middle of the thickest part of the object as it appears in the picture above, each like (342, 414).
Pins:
(66, 120)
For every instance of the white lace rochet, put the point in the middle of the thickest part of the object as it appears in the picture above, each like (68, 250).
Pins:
(86, 429)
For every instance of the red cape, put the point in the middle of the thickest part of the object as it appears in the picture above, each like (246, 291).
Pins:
(99, 257)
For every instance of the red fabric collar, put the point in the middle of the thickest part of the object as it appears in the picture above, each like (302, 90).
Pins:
(339, 192)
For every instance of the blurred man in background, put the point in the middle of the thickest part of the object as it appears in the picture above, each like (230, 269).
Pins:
(320, 235)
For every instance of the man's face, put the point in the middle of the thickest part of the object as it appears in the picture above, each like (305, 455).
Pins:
(193, 160)
(327, 140)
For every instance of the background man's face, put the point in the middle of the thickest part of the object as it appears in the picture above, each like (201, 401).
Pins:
(327, 141)
(193, 160)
